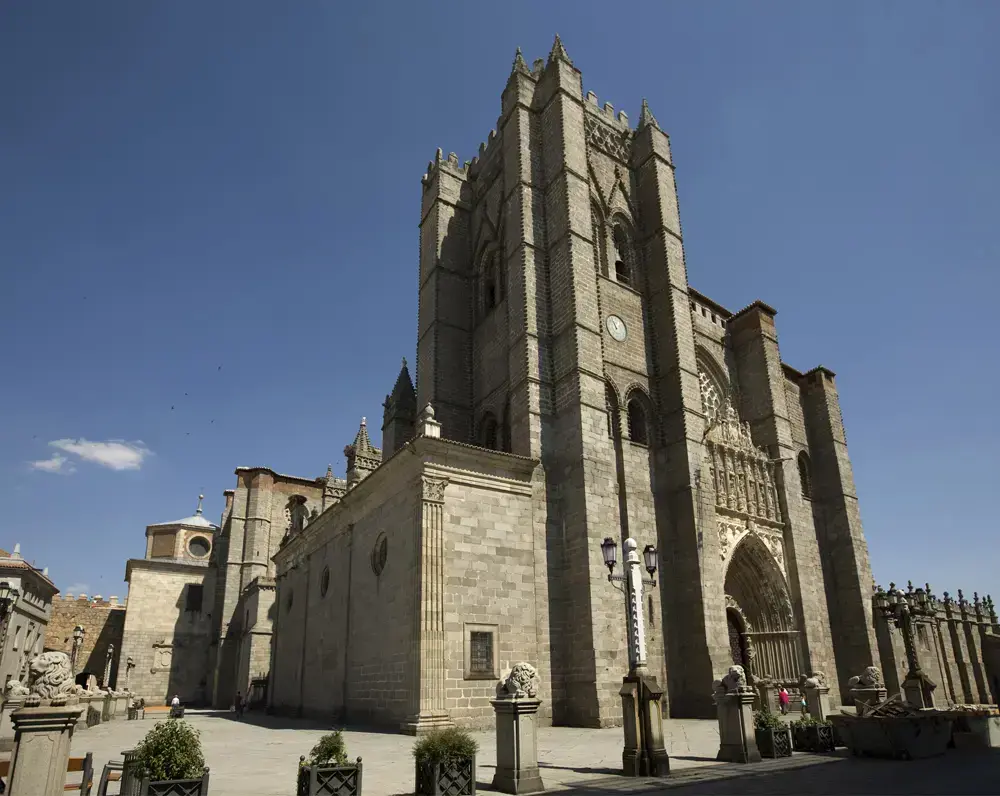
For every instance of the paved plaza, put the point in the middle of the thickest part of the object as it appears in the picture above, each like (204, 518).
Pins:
(258, 757)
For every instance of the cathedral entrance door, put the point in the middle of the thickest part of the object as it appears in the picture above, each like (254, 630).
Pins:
(759, 613)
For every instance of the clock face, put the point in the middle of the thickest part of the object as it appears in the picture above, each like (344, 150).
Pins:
(616, 328)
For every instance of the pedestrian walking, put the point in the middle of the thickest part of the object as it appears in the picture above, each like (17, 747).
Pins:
(783, 700)
(239, 705)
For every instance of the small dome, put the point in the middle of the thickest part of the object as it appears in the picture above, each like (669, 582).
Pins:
(196, 520)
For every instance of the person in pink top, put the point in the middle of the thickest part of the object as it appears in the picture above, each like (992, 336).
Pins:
(783, 700)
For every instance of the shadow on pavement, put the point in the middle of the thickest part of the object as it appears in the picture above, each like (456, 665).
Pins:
(958, 773)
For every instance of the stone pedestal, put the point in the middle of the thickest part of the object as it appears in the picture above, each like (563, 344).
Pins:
(737, 742)
(918, 690)
(817, 700)
(42, 738)
(767, 696)
(6, 724)
(869, 696)
(644, 754)
(517, 745)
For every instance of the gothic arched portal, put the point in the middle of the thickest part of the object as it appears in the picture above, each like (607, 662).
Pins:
(759, 611)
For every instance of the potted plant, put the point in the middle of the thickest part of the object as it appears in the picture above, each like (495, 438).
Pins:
(446, 763)
(773, 737)
(327, 772)
(169, 761)
(812, 735)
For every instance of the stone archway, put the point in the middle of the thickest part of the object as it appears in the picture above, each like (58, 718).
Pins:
(759, 609)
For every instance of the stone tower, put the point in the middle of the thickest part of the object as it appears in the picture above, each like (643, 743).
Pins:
(556, 322)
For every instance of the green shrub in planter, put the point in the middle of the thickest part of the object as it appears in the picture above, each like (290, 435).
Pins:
(812, 735)
(773, 737)
(327, 772)
(169, 760)
(446, 763)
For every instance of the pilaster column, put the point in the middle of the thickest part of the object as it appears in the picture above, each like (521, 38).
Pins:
(429, 640)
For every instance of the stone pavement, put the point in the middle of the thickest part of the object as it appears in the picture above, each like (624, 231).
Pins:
(258, 757)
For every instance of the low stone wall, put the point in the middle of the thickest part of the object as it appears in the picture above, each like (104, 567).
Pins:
(95, 708)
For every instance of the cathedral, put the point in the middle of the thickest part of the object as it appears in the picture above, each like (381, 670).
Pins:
(571, 385)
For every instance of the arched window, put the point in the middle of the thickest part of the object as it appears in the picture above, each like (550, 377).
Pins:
(623, 255)
(488, 432)
(611, 406)
(805, 475)
(597, 233)
(638, 423)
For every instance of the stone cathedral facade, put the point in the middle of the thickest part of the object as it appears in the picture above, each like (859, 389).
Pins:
(579, 388)
(570, 385)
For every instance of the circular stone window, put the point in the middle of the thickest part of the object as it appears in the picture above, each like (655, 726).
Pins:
(199, 546)
(379, 554)
(324, 582)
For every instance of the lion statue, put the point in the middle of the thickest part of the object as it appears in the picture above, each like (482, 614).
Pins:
(520, 682)
(15, 689)
(870, 678)
(735, 680)
(51, 676)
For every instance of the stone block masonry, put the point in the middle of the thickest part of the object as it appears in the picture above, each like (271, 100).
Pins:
(103, 622)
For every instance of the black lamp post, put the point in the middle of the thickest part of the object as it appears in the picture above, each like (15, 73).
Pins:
(78, 633)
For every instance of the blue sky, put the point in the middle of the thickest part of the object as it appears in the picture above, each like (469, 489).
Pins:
(208, 236)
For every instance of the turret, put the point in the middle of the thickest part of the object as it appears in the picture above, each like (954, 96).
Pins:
(362, 457)
(400, 411)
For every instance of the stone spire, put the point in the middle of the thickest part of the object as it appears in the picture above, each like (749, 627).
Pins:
(400, 412)
(198, 511)
(520, 65)
(646, 118)
(558, 52)
(362, 456)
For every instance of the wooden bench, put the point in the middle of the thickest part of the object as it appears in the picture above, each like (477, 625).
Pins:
(155, 710)
(74, 764)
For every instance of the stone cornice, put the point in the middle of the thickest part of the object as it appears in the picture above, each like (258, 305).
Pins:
(456, 461)
(297, 479)
(163, 565)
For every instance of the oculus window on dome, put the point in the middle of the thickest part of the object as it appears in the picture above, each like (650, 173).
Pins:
(199, 546)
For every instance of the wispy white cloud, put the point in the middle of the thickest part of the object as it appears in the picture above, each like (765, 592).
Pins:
(113, 454)
(76, 589)
(57, 463)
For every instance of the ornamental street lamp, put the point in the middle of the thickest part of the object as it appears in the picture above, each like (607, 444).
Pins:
(129, 666)
(78, 633)
(906, 610)
(644, 753)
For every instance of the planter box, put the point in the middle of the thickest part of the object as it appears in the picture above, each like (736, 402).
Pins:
(774, 743)
(175, 787)
(454, 778)
(898, 737)
(330, 780)
(977, 732)
(814, 738)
